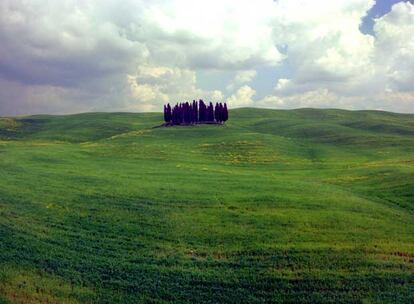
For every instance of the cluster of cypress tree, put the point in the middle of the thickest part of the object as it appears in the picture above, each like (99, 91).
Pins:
(195, 112)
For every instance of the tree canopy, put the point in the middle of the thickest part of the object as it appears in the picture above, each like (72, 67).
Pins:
(195, 112)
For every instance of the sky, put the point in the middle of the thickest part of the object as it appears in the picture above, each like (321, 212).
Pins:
(74, 56)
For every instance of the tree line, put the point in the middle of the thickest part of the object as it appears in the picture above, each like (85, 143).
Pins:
(195, 112)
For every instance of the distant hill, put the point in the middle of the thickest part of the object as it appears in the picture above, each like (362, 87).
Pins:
(321, 125)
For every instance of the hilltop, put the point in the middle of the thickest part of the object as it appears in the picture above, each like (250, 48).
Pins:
(303, 205)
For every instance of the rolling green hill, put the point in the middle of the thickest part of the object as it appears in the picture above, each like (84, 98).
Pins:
(275, 206)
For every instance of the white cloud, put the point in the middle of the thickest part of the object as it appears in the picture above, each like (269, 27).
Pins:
(153, 86)
(395, 47)
(323, 98)
(242, 98)
(68, 56)
(325, 45)
(319, 98)
(335, 65)
(271, 101)
(241, 78)
(61, 44)
(212, 35)
(282, 84)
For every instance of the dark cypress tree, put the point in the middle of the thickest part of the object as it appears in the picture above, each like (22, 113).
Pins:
(173, 115)
(169, 116)
(206, 112)
(181, 111)
(187, 113)
(177, 114)
(210, 112)
(217, 112)
(225, 113)
(175, 118)
(202, 111)
(190, 113)
(184, 113)
(206, 109)
(195, 112)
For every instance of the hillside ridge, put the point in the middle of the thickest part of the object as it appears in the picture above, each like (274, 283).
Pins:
(298, 206)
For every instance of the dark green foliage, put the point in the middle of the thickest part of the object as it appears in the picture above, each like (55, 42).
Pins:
(202, 111)
(167, 113)
(210, 112)
(193, 113)
(301, 206)
(225, 115)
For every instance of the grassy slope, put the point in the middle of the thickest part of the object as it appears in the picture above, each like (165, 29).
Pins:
(294, 206)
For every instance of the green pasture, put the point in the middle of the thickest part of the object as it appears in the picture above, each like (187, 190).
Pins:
(275, 206)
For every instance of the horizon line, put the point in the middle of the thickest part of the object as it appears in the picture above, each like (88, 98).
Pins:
(230, 109)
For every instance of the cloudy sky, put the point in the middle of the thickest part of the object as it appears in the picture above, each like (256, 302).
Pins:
(107, 55)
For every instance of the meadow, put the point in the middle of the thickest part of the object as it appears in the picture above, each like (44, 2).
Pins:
(275, 206)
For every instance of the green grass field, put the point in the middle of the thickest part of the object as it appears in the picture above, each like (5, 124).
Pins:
(299, 206)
